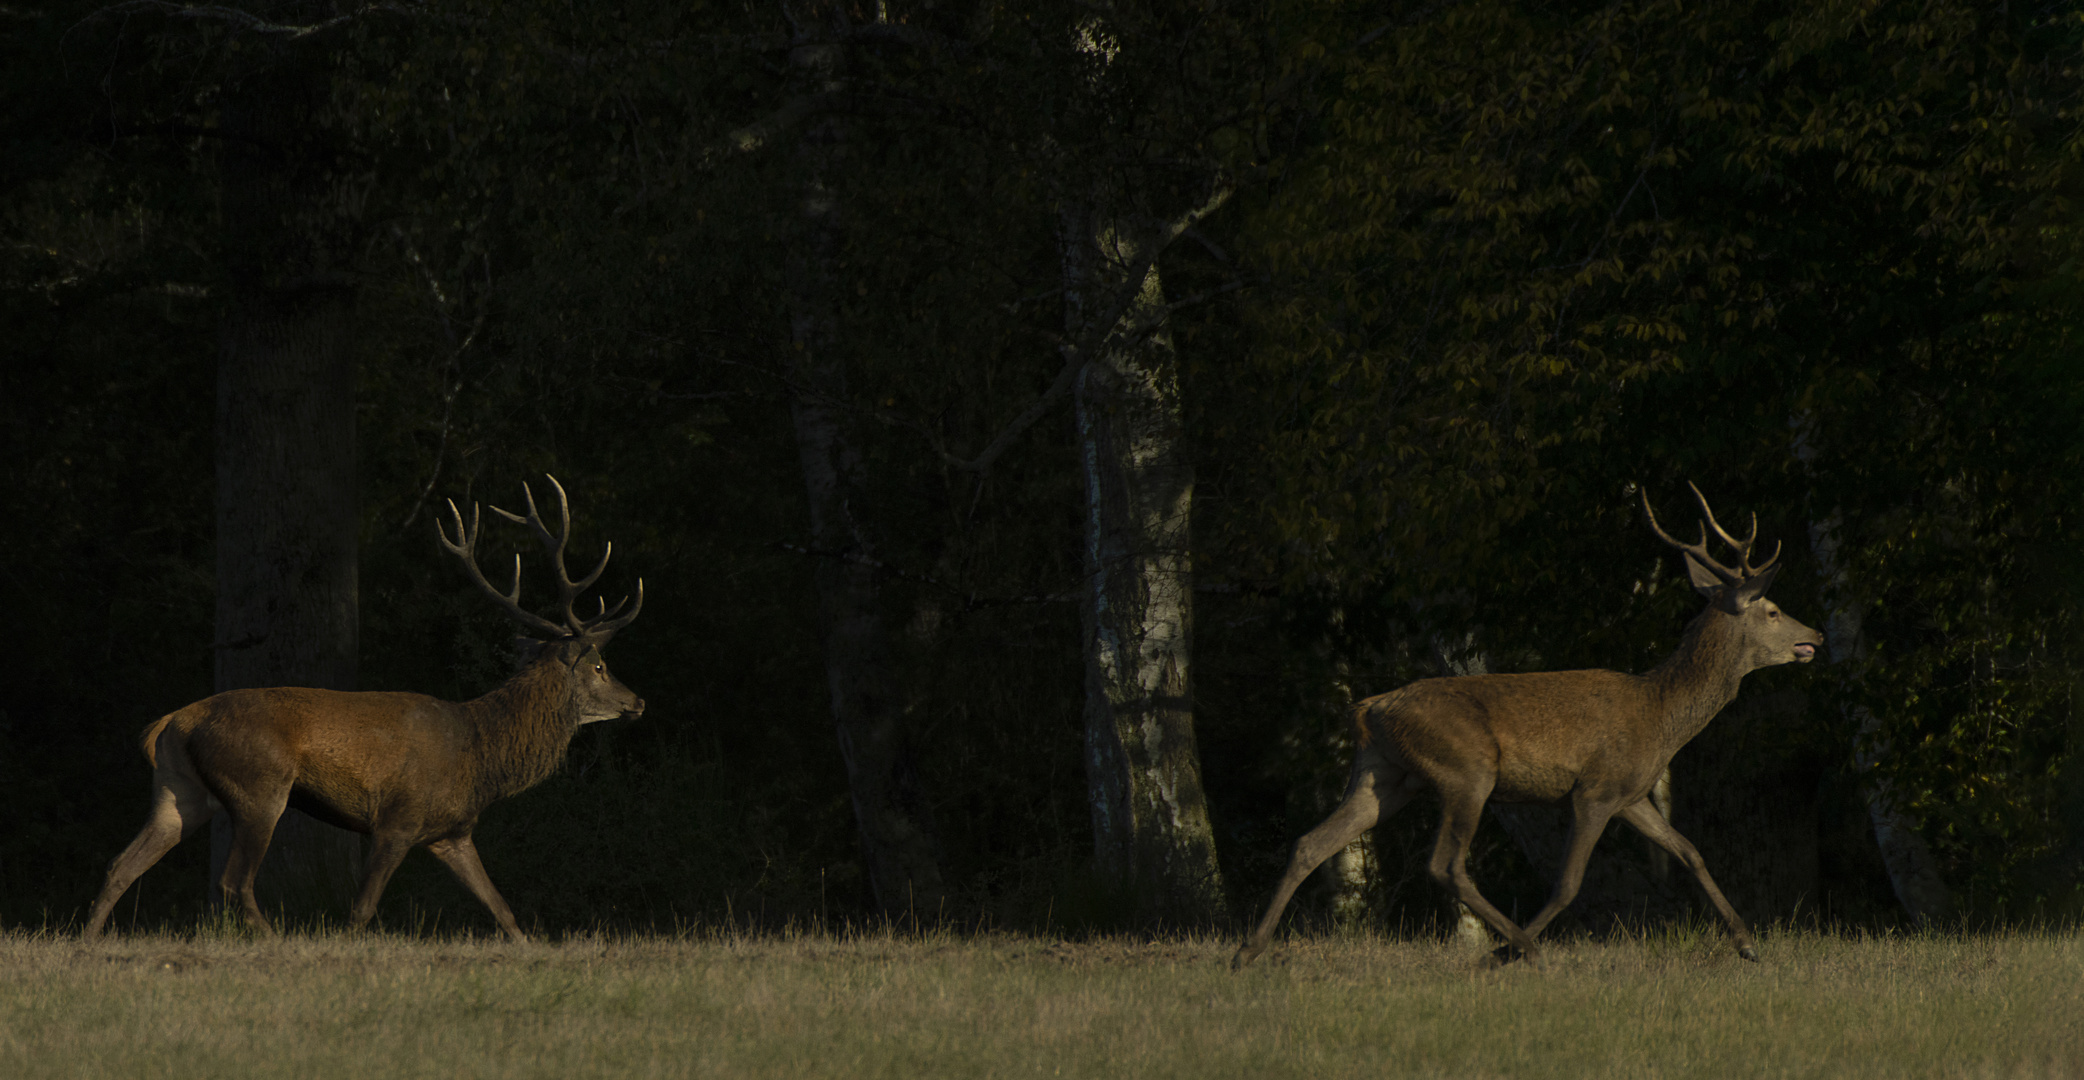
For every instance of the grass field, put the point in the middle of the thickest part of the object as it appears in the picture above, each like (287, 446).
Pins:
(862, 1005)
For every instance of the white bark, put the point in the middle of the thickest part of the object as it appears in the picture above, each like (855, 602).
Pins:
(1469, 930)
(1151, 829)
(1350, 875)
(1912, 870)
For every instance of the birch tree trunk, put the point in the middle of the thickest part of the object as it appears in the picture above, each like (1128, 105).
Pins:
(1912, 871)
(1349, 875)
(1151, 830)
(287, 518)
(897, 835)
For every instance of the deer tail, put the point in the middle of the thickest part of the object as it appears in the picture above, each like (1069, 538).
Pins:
(149, 742)
(1377, 709)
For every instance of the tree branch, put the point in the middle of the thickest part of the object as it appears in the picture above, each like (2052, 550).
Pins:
(758, 134)
(1066, 377)
(1112, 332)
(246, 20)
(751, 138)
(970, 601)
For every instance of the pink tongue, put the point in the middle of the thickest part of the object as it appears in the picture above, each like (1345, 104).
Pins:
(1805, 650)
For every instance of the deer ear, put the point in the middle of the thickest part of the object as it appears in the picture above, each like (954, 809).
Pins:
(1752, 589)
(1703, 578)
(526, 649)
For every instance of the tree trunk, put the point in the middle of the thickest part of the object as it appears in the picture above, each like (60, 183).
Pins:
(1151, 830)
(1350, 875)
(897, 835)
(287, 518)
(1912, 871)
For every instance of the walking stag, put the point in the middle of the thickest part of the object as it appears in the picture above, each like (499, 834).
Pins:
(1593, 741)
(405, 769)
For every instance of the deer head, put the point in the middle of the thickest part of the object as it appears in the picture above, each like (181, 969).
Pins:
(1772, 636)
(577, 642)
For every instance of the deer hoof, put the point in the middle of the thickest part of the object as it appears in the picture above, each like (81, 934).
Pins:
(1748, 952)
(1506, 954)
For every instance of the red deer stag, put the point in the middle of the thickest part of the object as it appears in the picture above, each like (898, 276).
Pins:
(1594, 741)
(406, 769)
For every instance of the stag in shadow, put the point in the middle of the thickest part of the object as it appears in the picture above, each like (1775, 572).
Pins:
(1594, 742)
(407, 770)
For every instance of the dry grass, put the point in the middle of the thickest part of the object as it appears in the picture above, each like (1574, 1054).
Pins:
(196, 1005)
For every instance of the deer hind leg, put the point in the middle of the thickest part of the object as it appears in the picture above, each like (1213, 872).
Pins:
(1647, 820)
(180, 805)
(1459, 816)
(461, 857)
(386, 850)
(253, 826)
(1587, 822)
(1377, 790)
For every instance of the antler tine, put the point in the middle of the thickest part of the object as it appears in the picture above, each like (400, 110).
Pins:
(1698, 549)
(568, 590)
(552, 544)
(601, 626)
(465, 549)
(607, 612)
(581, 584)
(604, 625)
(1754, 571)
(1743, 547)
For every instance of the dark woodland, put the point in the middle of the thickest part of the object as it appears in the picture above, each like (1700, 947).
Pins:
(1037, 424)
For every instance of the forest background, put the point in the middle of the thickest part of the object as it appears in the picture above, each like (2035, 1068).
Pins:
(1035, 423)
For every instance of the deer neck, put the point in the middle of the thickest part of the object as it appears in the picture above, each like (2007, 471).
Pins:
(520, 731)
(1700, 677)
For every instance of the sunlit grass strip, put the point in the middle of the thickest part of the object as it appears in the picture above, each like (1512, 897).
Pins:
(726, 1005)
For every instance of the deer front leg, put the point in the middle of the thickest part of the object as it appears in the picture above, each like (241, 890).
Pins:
(461, 857)
(1370, 797)
(1650, 823)
(1459, 815)
(1586, 824)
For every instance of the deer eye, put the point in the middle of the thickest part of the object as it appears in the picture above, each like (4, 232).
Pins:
(600, 669)
(1773, 614)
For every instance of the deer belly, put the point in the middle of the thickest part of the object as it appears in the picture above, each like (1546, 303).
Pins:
(1533, 782)
(318, 806)
(335, 792)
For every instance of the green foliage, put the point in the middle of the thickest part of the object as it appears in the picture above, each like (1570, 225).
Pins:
(1527, 261)
(1511, 265)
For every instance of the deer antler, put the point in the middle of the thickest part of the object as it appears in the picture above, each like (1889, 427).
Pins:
(598, 628)
(1699, 549)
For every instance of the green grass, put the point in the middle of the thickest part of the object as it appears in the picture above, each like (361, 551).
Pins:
(214, 1004)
